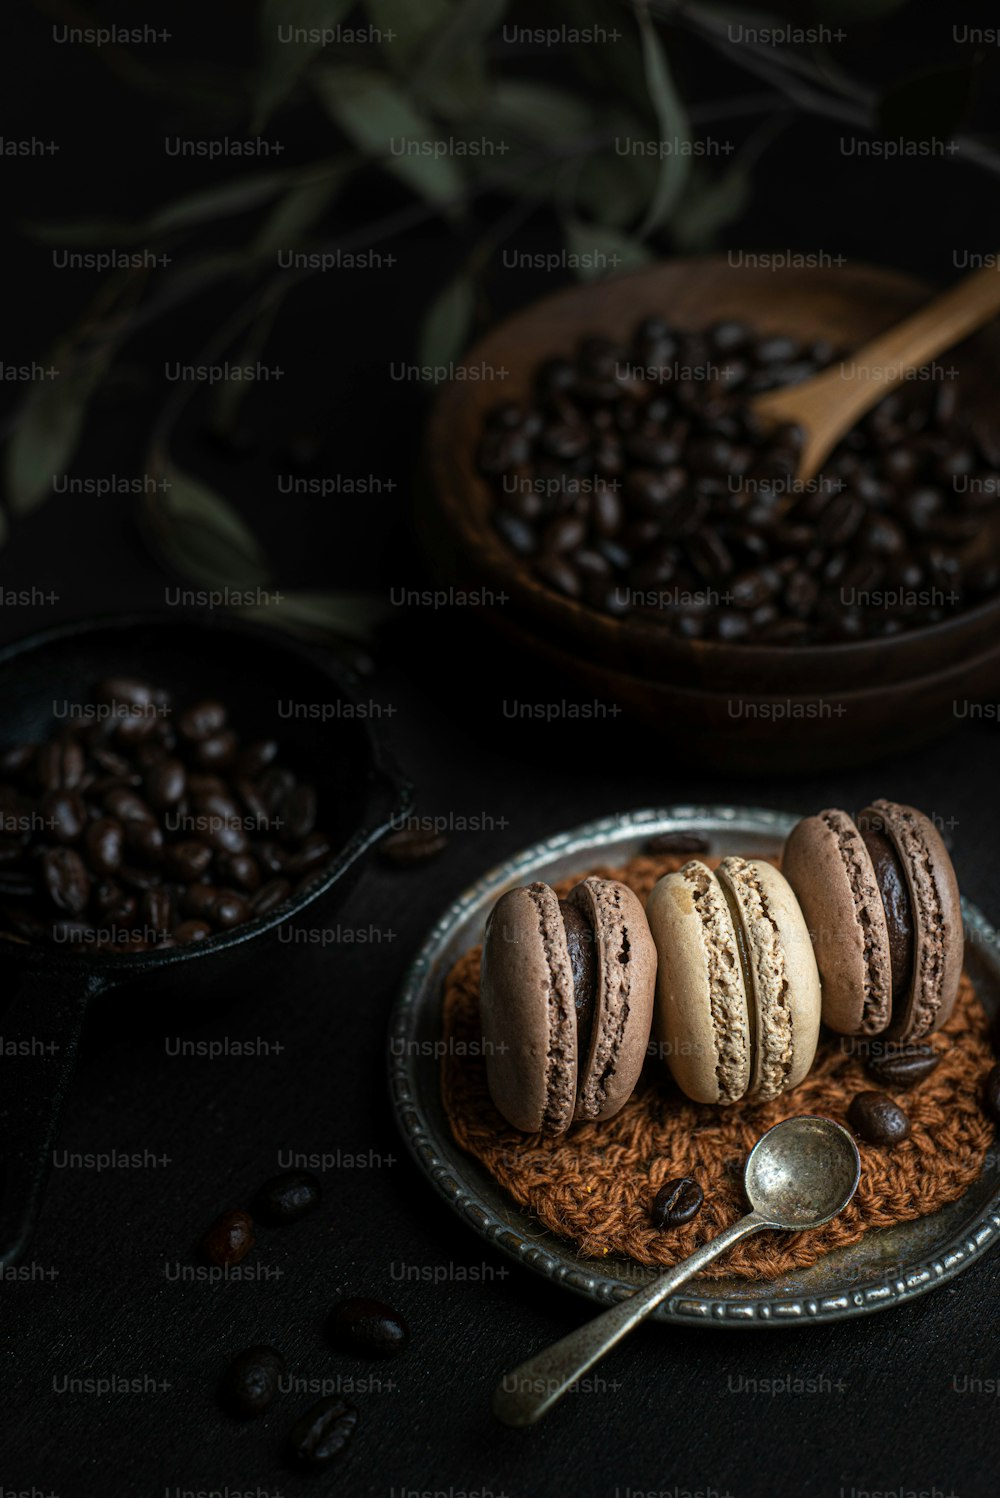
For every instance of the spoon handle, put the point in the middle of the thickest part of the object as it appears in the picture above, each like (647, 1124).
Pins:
(829, 404)
(527, 1393)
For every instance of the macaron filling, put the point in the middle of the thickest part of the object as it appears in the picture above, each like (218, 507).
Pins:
(895, 893)
(580, 946)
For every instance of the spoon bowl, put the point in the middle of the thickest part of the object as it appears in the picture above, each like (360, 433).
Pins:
(802, 1172)
(798, 1175)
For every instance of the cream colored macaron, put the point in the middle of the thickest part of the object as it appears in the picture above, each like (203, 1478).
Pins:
(737, 993)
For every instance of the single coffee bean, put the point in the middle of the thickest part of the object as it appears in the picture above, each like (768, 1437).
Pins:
(250, 1383)
(66, 880)
(217, 752)
(878, 1119)
(677, 842)
(240, 869)
(991, 1093)
(229, 1239)
(201, 721)
(286, 1198)
(270, 895)
(368, 1328)
(412, 845)
(187, 860)
(191, 931)
(65, 815)
(299, 812)
(165, 782)
(904, 1067)
(229, 909)
(126, 690)
(677, 1202)
(322, 1433)
(104, 843)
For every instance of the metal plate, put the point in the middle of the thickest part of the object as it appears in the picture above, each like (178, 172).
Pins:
(885, 1267)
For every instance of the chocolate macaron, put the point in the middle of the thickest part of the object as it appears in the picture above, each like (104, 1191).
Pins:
(737, 993)
(566, 999)
(882, 905)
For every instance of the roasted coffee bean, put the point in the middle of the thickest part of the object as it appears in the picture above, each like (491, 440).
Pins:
(229, 909)
(229, 1239)
(677, 842)
(241, 869)
(250, 1383)
(903, 1067)
(313, 851)
(191, 931)
(165, 783)
(272, 894)
(677, 1202)
(103, 843)
(126, 690)
(322, 1433)
(66, 880)
(991, 1093)
(410, 845)
(14, 762)
(368, 1328)
(201, 721)
(187, 860)
(144, 841)
(286, 1198)
(299, 814)
(155, 908)
(217, 752)
(878, 1119)
(64, 814)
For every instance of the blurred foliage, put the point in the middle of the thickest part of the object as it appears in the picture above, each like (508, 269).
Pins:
(451, 80)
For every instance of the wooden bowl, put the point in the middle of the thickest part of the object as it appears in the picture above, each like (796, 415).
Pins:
(734, 706)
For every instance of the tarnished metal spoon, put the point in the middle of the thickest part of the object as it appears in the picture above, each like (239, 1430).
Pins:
(798, 1175)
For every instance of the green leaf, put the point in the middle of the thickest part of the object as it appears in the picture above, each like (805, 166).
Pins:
(674, 130)
(616, 189)
(222, 201)
(354, 615)
(710, 204)
(598, 251)
(46, 435)
(200, 534)
(381, 122)
(447, 322)
(292, 215)
(451, 77)
(406, 27)
(282, 63)
(540, 112)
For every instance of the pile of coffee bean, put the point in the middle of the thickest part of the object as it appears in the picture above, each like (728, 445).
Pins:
(638, 482)
(136, 825)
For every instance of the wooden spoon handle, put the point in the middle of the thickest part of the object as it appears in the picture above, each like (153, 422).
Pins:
(829, 405)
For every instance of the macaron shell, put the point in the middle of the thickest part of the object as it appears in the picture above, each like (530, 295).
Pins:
(785, 991)
(527, 1011)
(938, 941)
(830, 870)
(625, 972)
(702, 1019)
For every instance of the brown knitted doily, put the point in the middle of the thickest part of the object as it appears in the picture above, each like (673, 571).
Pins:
(594, 1185)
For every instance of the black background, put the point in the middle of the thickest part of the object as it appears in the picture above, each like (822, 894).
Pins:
(665, 1414)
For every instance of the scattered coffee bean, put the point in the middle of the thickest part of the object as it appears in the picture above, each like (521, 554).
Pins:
(904, 1067)
(322, 1433)
(250, 1383)
(878, 1119)
(286, 1198)
(368, 1328)
(991, 1093)
(677, 842)
(208, 833)
(677, 1202)
(412, 845)
(876, 540)
(229, 1239)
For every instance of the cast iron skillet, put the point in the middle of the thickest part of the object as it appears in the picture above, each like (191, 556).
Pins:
(47, 990)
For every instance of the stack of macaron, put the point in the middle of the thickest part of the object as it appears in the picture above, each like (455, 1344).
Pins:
(881, 902)
(730, 969)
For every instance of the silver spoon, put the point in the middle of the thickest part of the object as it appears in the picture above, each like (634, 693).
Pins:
(798, 1175)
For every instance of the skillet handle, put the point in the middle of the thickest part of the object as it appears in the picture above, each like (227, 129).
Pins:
(40, 1026)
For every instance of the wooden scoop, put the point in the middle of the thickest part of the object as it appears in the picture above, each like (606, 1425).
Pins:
(831, 403)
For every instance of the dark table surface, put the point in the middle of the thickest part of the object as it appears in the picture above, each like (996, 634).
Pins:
(110, 1349)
